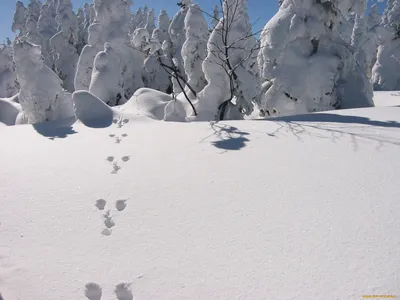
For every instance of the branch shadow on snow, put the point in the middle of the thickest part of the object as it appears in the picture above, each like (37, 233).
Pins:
(55, 129)
(335, 127)
(229, 138)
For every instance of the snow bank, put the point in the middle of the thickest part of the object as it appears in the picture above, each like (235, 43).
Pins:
(91, 111)
(9, 112)
(148, 103)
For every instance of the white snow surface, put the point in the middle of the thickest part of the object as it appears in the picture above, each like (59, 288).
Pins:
(302, 207)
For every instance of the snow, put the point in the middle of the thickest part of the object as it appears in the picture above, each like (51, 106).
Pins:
(302, 207)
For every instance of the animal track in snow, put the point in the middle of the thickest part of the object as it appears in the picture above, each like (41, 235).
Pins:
(120, 205)
(125, 158)
(100, 204)
(123, 291)
(115, 166)
(118, 139)
(106, 232)
(121, 122)
(108, 221)
(93, 291)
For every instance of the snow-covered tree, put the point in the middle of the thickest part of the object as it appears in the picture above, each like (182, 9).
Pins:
(163, 26)
(114, 17)
(107, 80)
(41, 95)
(385, 75)
(84, 67)
(215, 17)
(64, 44)
(230, 67)
(8, 81)
(194, 50)
(178, 36)
(150, 21)
(306, 65)
(47, 25)
(19, 20)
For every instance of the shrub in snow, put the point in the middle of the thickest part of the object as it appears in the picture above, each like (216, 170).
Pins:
(8, 81)
(305, 62)
(230, 67)
(107, 80)
(194, 50)
(64, 44)
(41, 95)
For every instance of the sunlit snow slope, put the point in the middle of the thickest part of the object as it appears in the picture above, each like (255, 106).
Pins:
(305, 207)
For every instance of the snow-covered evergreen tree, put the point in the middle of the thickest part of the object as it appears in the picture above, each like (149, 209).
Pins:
(230, 67)
(114, 17)
(178, 36)
(194, 50)
(107, 80)
(163, 26)
(8, 81)
(84, 67)
(150, 21)
(19, 21)
(41, 95)
(215, 17)
(82, 31)
(385, 75)
(306, 65)
(64, 44)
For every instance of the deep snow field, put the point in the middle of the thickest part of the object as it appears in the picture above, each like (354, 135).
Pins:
(303, 207)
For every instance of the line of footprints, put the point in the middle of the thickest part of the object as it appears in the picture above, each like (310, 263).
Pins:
(108, 221)
(122, 291)
(115, 163)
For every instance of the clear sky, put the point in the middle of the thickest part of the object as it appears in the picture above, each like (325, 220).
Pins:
(260, 10)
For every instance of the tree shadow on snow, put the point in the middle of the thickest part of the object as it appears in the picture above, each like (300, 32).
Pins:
(56, 129)
(335, 127)
(228, 137)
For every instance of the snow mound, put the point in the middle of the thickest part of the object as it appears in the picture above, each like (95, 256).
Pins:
(148, 103)
(91, 111)
(9, 112)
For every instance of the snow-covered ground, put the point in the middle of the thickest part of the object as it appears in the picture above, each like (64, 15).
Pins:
(391, 98)
(303, 207)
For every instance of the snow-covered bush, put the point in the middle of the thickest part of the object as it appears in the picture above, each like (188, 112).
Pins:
(306, 65)
(41, 95)
(230, 67)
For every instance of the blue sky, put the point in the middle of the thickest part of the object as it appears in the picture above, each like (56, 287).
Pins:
(261, 10)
